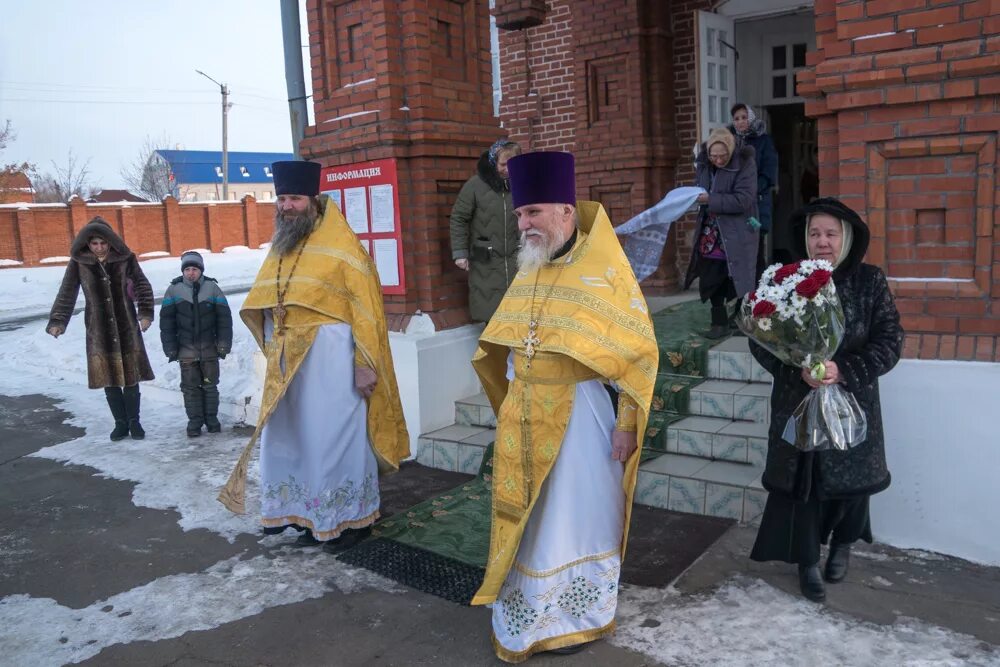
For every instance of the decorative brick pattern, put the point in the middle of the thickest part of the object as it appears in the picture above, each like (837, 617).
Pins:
(908, 137)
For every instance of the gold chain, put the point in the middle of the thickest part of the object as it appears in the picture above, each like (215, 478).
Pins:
(532, 341)
(279, 309)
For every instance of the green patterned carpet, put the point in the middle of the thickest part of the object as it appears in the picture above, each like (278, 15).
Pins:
(440, 545)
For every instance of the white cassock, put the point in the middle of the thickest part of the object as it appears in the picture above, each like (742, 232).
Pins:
(317, 468)
(564, 580)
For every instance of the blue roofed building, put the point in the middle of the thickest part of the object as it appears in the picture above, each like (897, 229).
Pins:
(197, 175)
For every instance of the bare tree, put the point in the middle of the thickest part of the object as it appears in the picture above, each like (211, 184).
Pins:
(147, 175)
(10, 170)
(71, 178)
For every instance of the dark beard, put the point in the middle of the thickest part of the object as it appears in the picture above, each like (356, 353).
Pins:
(290, 230)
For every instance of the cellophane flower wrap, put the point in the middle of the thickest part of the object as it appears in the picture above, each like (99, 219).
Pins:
(795, 315)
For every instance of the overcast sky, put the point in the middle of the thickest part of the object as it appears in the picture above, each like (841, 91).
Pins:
(97, 77)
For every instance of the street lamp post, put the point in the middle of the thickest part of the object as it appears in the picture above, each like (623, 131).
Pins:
(224, 89)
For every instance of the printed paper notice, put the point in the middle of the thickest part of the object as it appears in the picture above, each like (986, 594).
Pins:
(386, 261)
(383, 213)
(334, 196)
(356, 209)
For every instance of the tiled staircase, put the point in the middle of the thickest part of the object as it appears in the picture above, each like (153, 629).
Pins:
(713, 457)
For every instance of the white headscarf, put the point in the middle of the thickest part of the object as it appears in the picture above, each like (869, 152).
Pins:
(847, 233)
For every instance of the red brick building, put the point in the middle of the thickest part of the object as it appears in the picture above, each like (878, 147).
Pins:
(891, 105)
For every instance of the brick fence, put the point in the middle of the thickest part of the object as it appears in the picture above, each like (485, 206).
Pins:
(30, 233)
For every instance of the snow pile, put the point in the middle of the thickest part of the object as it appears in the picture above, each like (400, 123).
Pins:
(39, 631)
(748, 623)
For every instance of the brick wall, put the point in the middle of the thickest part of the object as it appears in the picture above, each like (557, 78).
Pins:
(908, 100)
(597, 79)
(30, 233)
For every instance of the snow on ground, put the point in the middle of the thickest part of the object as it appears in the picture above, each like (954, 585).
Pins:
(748, 623)
(197, 467)
(25, 292)
(65, 359)
(39, 631)
(745, 622)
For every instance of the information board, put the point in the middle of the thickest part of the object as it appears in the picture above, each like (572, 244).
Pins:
(367, 193)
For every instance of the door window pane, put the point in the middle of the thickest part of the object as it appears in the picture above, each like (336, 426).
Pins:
(723, 78)
(723, 109)
(778, 60)
(711, 76)
(710, 38)
(712, 116)
(798, 55)
(779, 86)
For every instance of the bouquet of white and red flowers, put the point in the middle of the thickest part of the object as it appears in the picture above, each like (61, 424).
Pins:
(795, 315)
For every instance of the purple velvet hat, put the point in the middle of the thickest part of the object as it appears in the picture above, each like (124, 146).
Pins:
(545, 177)
(296, 177)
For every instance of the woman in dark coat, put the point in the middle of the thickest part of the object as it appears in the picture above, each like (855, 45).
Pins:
(724, 256)
(109, 273)
(749, 131)
(816, 496)
(484, 236)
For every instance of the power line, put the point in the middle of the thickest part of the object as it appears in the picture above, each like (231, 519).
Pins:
(158, 103)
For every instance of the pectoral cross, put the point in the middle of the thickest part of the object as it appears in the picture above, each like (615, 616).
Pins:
(279, 319)
(530, 341)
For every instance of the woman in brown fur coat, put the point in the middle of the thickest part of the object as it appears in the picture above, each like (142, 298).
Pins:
(113, 283)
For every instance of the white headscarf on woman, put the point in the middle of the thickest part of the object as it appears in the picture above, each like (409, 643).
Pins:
(847, 233)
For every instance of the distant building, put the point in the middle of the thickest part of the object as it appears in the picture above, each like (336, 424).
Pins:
(112, 197)
(16, 188)
(197, 175)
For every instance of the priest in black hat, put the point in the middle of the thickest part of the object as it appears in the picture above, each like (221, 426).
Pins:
(330, 419)
(568, 362)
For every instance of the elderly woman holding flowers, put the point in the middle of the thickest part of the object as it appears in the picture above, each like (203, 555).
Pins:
(821, 496)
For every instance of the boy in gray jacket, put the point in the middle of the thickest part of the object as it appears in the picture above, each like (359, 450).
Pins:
(196, 328)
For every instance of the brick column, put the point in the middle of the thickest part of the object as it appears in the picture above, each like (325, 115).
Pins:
(407, 80)
(172, 214)
(908, 127)
(24, 222)
(78, 216)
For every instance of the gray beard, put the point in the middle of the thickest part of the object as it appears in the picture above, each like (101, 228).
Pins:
(532, 257)
(289, 231)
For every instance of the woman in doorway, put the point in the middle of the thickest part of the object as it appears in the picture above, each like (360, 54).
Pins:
(724, 255)
(749, 131)
(823, 496)
(112, 282)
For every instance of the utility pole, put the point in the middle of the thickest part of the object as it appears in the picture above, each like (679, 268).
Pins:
(291, 31)
(224, 89)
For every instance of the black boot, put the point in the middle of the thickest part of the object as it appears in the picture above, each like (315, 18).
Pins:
(211, 403)
(131, 396)
(347, 540)
(117, 404)
(837, 562)
(734, 328)
(193, 400)
(720, 323)
(811, 583)
(306, 539)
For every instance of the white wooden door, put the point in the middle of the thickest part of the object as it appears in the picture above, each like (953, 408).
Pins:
(716, 71)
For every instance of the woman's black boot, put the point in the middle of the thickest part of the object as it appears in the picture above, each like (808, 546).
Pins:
(720, 323)
(131, 396)
(811, 582)
(837, 562)
(117, 404)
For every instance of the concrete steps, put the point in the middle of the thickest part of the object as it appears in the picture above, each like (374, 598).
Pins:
(714, 457)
